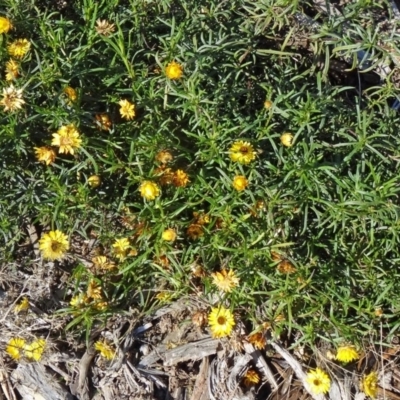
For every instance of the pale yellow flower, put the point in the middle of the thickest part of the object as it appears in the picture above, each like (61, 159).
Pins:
(169, 235)
(54, 245)
(22, 306)
(79, 300)
(287, 139)
(19, 48)
(225, 280)
(5, 25)
(240, 183)
(105, 349)
(242, 152)
(346, 354)
(174, 70)
(268, 104)
(127, 109)
(103, 27)
(369, 384)
(149, 190)
(14, 348)
(12, 70)
(121, 247)
(67, 139)
(318, 381)
(102, 262)
(45, 154)
(34, 351)
(12, 98)
(221, 322)
(94, 181)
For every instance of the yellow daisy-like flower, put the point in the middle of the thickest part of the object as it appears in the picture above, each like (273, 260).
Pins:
(149, 190)
(34, 351)
(105, 349)
(251, 378)
(104, 27)
(225, 280)
(174, 70)
(164, 157)
(103, 122)
(257, 340)
(12, 70)
(14, 348)
(221, 322)
(346, 354)
(45, 154)
(22, 306)
(369, 384)
(19, 48)
(70, 92)
(94, 181)
(169, 235)
(287, 139)
(240, 183)
(12, 98)
(5, 25)
(127, 109)
(318, 381)
(195, 231)
(180, 178)
(102, 262)
(54, 245)
(67, 139)
(242, 152)
(94, 290)
(121, 247)
(79, 300)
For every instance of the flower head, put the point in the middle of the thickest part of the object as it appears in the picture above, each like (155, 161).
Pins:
(127, 109)
(22, 306)
(242, 152)
(318, 381)
(19, 48)
(149, 190)
(199, 318)
(174, 70)
(180, 178)
(79, 300)
(286, 267)
(12, 70)
(121, 247)
(225, 280)
(14, 348)
(93, 290)
(12, 98)
(102, 262)
(369, 384)
(103, 122)
(54, 245)
(240, 183)
(167, 175)
(67, 139)
(45, 154)
(257, 340)
(169, 235)
(105, 349)
(34, 351)
(164, 157)
(221, 322)
(251, 378)
(70, 92)
(346, 354)
(164, 296)
(268, 104)
(195, 231)
(94, 181)
(5, 25)
(287, 139)
(103, 27)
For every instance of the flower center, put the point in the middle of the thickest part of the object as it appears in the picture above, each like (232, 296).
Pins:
(55, 246)
(221, 320)
(317, 382)
(244, 150)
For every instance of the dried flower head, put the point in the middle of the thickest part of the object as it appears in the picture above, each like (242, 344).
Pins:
(5, 25)
(225, 280)
(54, 245)
(169, 235)
(369, 384)
(12, 70)
(94, 181)
(174, 70)
(162, 261)
(103, 263)
(199, 318)
(240, 182)
(149, 190)
(318, 381)
(45, 154)
(251, 378)
(257, 340)
(346, 354)
(195, 231)
(127, 109)
(201, 218)
(197, 270)
(14, 348)
(12, 98)
(167, 175)
(105, 349)
(121, 247)
(287, 139)
(103, 27)
(286, 267)
(67, 139)
(34, 350)
(70, 92)
(221, 322)
(180, 179)
(103, 122)
(164, 157)
(242, 152)
(22, 306)
(19, 48)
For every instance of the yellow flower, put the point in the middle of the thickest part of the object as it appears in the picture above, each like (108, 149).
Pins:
(242, 152)
(318, 381)
(174, 70)
(5, 25)
(12, 98)
(105, 349)
(67, 139)
(221, 322)
(257, 340)
(251, 378)
(195, 231)
(45, 154)
(240, 182)
(54, 245)
(225, 280)
(19, 48)
(180, 178)
(79, 300)
(169, 235)
(346, 354)
(268, 104)
(104, 27)
(369, 384)
(103, 122)
(127, 109)
(94, 290)
(149, 190)
(120, 247)
(287, 139)
(23, 306)
(164, 297)
(12, 70)
(34, 351)
(164, 157)
(14, 348)
(94, 181)
(101, 262)
(71, 93)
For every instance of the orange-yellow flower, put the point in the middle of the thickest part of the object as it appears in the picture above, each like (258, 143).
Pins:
(45, 154)
(318, 381)
(242, 152)
(195, 231)
(174, 70)
(180, 178)
(5, 25)
(67, 139)
(103, 122)
(149, 190)
(257, 340)
(127, 109)
(164, 157)
(251, 378)
(94, 181)
(19, 48)
(240, 183)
